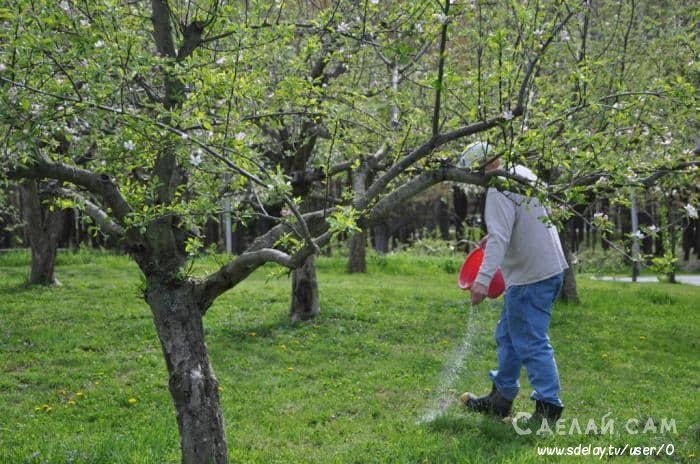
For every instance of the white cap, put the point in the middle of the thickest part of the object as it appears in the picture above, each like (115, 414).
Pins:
(475, 153)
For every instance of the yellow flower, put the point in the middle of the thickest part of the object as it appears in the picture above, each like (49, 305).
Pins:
(220, 388)
(283, 346)
(605, 355)
(80, 394)
(71, 402)
(37, 408)
(642, 337)
(253, 334)
(290, 369)
(132, 401)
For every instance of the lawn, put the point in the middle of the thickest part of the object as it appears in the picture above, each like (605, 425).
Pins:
(83, 379)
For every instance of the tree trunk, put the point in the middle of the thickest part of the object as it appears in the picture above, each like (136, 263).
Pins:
(381, 238)
(461, 207)
(357, 261)
(42, 229)
(192, 384)
(569, 292)
(305, 302)
(443, 219)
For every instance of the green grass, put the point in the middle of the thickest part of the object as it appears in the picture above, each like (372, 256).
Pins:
(349, 387)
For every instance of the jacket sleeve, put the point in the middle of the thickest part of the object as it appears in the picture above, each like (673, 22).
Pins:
(499, 214)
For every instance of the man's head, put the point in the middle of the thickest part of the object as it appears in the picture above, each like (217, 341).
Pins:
(479, 154)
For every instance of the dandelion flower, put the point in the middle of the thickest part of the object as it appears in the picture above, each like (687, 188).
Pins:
(132, 401)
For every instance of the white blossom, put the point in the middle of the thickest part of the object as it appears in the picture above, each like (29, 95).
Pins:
(65, 6)
(240, 136)
(3, 67)
(507, 115)
(691, 211)
(653, 229)
(638, 235)
(99, 44)
(221, 60)
(374, 2)
(84, 23)
(563, 35)
(441, 18)
(538, 32)
(343, 28)
(418, 27)
(196, 158)
(129, 145)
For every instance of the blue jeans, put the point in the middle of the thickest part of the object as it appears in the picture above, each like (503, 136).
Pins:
(521, 339)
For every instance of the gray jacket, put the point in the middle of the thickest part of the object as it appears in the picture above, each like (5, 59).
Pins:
(527, 249)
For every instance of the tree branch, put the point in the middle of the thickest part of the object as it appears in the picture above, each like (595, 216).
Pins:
(423, 150)
(99, 184)
(101, 218)
(418, 184)
(229, 275)
(529, 70)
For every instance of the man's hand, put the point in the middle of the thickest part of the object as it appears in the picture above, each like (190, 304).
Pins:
(479, 293)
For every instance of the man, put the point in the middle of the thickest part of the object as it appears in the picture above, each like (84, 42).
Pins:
(532, 261)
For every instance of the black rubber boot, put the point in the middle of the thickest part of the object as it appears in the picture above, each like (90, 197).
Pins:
(494, 403)
(548, 411)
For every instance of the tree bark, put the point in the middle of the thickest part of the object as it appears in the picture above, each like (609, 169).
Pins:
(357, 261)
(569, 292)
(193, 387)
(305, 301)
(43, 228)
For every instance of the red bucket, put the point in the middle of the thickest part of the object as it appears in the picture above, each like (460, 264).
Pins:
(470, 269)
